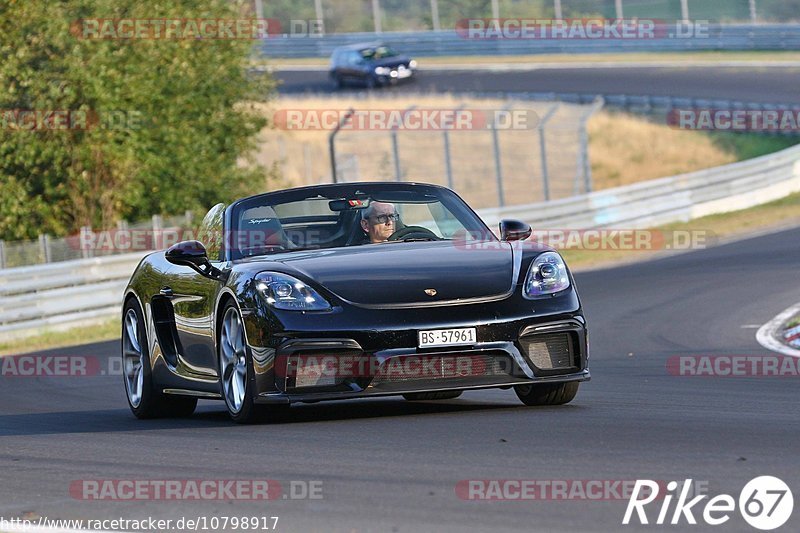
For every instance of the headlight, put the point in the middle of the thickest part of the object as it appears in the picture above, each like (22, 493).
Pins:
(289, 294)
(382, 71)
(412, 63)
(547, 275)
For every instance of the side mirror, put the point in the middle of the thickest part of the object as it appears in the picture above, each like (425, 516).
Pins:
(514, 230)
(192, 254)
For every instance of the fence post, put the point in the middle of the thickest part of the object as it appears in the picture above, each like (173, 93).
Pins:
(158, 225)
(448, 164)
(86, 251)
(307, 163)
(543, 151)
(618, 7)
(376, 15)
(585, 163)
(44, 248)
(685, 11)
(498, 165)
(332, 142)
(396, 154)
(2, 254)
(753, 12)
(398, 175)
(320, 15)
(435, 15)
(557, 8)
(495, 9)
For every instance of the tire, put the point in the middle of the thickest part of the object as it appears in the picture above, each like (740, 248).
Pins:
(144, 399)
(235, 367)
(237, 377)
(432, 396)
(548, 394)
(371, 83)
(338, 82)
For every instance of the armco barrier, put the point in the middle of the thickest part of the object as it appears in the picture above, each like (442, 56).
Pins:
(61, 295)
(661, 201)
(449, 43)
(74, 292)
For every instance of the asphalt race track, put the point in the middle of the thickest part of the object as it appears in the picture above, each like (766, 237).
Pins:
(389, 465)
(761, 85)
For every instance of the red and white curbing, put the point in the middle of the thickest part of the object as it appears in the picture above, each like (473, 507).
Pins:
(770, 334)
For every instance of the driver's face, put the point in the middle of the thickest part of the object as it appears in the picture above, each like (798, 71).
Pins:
(379, 231)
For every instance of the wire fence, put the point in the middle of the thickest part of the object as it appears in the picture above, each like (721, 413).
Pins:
(154, 234)
(543, 158)
(350, 16)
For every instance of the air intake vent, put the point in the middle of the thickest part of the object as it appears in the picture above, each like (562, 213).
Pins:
(549, 352)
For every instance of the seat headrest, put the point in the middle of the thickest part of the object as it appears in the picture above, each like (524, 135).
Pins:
(261, 226)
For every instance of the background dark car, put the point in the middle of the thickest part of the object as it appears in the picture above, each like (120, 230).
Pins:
(370, 64)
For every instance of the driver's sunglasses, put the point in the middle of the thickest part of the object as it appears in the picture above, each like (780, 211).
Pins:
(384, 219)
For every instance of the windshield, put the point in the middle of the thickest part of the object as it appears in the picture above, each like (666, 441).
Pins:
(379, 52)
(337, 216)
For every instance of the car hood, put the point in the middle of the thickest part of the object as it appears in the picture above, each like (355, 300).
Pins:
(391, 62)
(401, 273)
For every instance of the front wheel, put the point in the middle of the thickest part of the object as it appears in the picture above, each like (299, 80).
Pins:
(144, 399)
(236, 386)
(547, 394)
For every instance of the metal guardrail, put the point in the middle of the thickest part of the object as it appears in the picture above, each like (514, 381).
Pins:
(734, 37)
(65, 294)
(77, 292)
(661, 201)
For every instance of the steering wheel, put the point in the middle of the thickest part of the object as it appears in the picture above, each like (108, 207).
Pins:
(413, 232)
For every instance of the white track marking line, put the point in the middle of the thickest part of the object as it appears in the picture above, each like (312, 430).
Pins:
(767, 333)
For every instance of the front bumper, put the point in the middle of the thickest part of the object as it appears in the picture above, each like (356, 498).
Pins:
(387, 361)
(396, 76)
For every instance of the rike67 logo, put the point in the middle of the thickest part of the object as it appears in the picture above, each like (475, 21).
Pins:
(765, 503)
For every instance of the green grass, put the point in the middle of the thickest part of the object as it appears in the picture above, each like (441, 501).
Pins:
(106, 331)
(721, 227)
(750, 145)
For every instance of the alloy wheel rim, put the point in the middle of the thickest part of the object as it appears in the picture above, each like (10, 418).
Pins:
(233, 361)
(132, 358)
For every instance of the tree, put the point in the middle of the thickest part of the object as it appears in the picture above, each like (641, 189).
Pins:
(147, 125)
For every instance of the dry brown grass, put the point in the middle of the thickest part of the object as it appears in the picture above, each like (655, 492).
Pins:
(303, 156)
(623, 149)
(627, 149)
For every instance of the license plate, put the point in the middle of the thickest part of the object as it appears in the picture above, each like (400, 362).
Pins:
(447, 337)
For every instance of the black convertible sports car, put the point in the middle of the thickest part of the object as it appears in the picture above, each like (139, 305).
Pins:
(349, 291)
